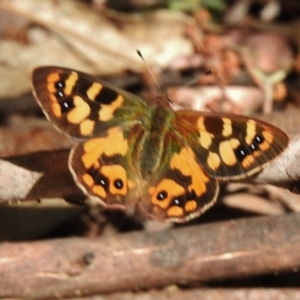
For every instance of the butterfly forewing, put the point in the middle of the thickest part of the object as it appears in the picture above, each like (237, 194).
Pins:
(230, 147)
(81, 105)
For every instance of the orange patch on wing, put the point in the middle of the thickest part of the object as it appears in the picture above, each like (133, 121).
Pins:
(205, 138)
(94, 90)
(90, 158)
(87, 127)
(170, 187)
(106, 112)
(227, 127)
(268, 140)
(51, 88)
(264, 146)
(234, 143)
(185, 162)
(200, 124)
(56, 110)
(182, 161)
(53, 77)
(115, 172)
(213, 160)
(99, 191)
(248, 161)
(112, 173)
(175, 211)
(70, 83)
(80, 112)
(88, 180)
(53, 98)
(250, 131)
(190, 206)
(268, 136)
(112, 144)
(227, 154)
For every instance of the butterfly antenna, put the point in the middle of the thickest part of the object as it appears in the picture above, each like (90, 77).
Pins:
(193, 81)
(141, 56)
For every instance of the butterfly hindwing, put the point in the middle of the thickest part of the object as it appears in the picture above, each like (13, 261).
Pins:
(107, 169)
(102, 167)
(81, 105)
(183, 190)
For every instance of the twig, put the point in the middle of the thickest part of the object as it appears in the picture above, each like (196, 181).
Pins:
(38, 175)
(140, 260)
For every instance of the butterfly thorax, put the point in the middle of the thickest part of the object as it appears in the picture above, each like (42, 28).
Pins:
(157, 127)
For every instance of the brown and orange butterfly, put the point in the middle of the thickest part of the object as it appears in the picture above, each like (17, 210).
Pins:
(166, 163)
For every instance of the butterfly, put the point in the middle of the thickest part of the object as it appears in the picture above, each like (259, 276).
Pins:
(132, 153)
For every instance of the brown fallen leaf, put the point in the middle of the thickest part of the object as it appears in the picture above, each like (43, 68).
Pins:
(70, 34)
